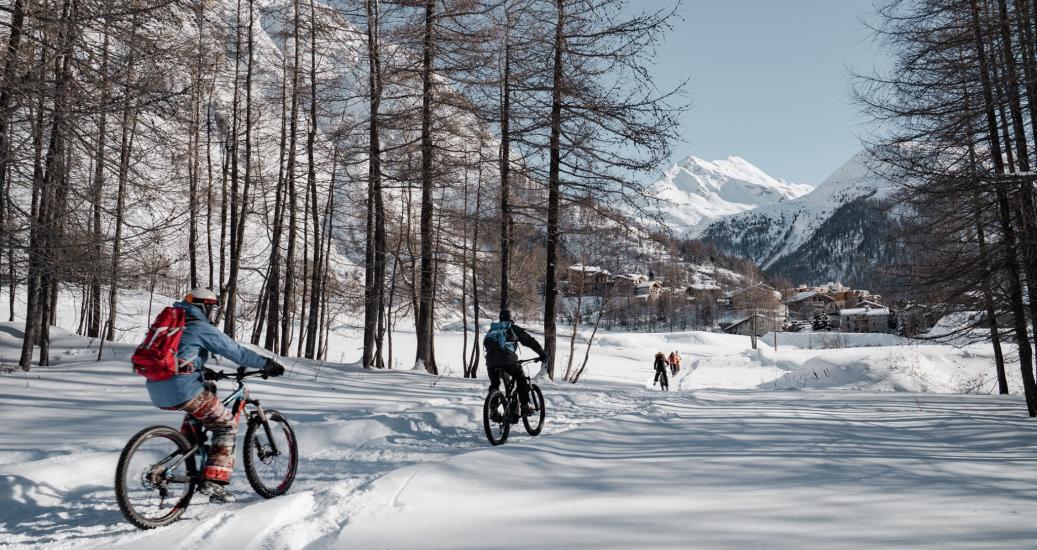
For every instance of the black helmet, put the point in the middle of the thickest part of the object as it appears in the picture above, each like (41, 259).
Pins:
(505, 315)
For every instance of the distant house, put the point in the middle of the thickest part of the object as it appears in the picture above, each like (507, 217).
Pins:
(703, 292)
(758, 298)
(864, 319)
(747, 326)
(587, 280)
(804, 305)
(625, 284)
(803, 301)
(648, 290)
(869, 303)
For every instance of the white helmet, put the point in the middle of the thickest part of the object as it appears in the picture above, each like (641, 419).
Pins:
(202, 296)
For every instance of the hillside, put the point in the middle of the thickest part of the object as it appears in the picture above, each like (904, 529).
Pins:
(835, 232)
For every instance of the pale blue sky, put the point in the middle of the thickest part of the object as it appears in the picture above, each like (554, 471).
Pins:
(770, 82)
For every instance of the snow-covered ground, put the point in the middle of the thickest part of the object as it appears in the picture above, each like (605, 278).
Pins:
(756, 448)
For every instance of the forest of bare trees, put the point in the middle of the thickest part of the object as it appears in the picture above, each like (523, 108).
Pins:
(350, 163)
(955, 119)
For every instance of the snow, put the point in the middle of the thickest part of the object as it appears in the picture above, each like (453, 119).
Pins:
(871, 312)
(869, 444)
(784, 226)
(588, 269)
(695, 191)
(801, 296)
(728, 470)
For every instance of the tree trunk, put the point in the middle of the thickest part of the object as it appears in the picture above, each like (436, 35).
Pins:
(1009, 241)
(505, 170)
(230, 292)
(93, 295)
(315, 283)
(50, 183)
(473, 365)
(554, 190)
(289, 270)
(6, 93)
(425, 355)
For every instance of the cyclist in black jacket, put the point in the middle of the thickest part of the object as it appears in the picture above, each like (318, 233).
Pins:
(506, 360)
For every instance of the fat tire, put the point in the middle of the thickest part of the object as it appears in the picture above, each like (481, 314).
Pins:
(537, 407)
(121, 497)
(494, 400)
(276, 420)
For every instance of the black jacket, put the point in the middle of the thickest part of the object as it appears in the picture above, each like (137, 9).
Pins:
(503, 358)
(660, 363)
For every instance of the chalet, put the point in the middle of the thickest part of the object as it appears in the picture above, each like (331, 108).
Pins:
(759, 297)
(648, 290)
(587, 280)
(864, 319)
(703, 293)
(625, 284)
(804, 305)
(757, 324)
(869, 303)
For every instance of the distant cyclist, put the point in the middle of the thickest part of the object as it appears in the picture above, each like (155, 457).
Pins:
(661, 377)
(501, 346)
(187, 391)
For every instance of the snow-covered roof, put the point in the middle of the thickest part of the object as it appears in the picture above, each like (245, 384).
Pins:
(806, 296)
(703, 286)
(801, 296)
(742, 321)
(631, 276)
(588, 269)
(647, 285)
(864, 311)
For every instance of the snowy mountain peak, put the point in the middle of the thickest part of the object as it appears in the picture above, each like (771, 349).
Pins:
(695, 190)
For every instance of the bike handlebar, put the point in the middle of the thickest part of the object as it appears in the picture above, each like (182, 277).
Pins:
(524, 361)
(238, 375)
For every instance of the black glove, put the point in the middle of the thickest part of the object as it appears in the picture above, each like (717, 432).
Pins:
(212, 375)
(542, 358)
(272, 368)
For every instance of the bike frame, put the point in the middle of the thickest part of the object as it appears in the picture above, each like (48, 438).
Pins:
(510, 385)
(195, 431)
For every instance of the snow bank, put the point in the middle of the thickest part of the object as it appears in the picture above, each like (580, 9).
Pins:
(829, 340)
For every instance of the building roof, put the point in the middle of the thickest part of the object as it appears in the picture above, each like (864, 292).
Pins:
(869, 311)
(743, 321)
(703, 286)
(647, 285)
(807, 295)
(588, 269)
(761, 288)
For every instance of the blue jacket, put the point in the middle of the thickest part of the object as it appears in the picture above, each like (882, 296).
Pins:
(200, 340)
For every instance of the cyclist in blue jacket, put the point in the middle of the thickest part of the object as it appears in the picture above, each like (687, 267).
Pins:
(188, 392)
(506, 359)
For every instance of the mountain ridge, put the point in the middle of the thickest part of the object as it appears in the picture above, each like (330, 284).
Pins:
(695, 191)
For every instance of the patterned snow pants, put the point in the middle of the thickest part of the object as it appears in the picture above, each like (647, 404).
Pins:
(223, 423)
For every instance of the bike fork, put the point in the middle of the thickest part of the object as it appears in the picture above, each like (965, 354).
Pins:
(261, 415)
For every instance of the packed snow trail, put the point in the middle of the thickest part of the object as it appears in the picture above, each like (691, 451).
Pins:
(393, 459)
(729, 470)
(64, 425)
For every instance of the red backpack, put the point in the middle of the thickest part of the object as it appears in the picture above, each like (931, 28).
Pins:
(155, 358)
